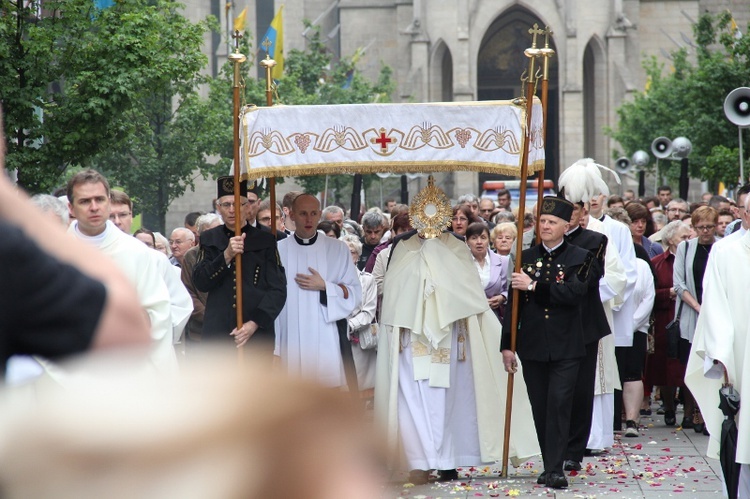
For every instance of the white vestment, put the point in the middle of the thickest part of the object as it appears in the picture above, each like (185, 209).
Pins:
(307, 338)
(444, 412)
(620, 235)
(611, 290)
(722, 334)
(140, 264)
(181, 304)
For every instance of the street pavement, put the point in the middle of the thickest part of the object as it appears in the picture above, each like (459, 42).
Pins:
(661, 462)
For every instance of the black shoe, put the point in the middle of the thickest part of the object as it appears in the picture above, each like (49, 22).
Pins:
(447, 475)
(669, 418)
(419, 477)
(686, 423)
(645, 412)
(570, 465)
(631, 429)
(542, 479)
(557, 480)
(699, 427)
(705, 430)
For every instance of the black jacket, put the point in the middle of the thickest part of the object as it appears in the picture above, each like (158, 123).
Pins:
(550, 319)
(595, 325)
(263, 282)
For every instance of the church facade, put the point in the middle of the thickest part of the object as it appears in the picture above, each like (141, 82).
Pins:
(461, 50)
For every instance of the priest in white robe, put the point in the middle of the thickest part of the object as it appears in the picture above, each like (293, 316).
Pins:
(88, 195)
(322, 288)
(441, 388)
(721, 341)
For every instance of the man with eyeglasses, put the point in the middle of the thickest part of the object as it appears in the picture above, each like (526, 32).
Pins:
(486, 209)
(676, 209)
(263, 280)
(121, 213)
(743, 222)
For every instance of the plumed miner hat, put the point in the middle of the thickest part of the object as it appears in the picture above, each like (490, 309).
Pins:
(582, 181)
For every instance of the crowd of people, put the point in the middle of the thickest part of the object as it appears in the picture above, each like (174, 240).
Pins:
(419, 327)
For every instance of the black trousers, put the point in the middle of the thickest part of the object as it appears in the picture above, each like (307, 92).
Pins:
(583, 405)
(551, 385)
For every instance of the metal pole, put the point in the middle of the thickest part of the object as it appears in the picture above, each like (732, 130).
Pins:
(742, 169)
(268, 64)
(532, 53)
(546, 52)
(237, 59)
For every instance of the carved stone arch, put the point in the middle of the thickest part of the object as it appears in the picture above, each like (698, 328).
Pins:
(441, 73)
(594, 100)
(500, 64)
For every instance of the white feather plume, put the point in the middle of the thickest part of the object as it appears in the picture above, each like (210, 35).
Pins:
(582, 180)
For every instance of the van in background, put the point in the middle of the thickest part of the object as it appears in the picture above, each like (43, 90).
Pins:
(490, 188)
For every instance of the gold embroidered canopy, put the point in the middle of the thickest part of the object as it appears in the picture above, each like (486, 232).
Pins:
(485, 136)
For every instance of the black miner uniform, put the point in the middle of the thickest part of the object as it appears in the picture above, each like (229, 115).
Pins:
(550, 339)
(263, 279)
(595, 327)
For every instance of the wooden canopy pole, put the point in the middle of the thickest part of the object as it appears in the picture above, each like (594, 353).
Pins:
(546, 52)
(237, 58)
(268, 65)
(528, 101)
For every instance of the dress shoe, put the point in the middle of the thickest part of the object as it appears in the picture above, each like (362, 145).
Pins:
(542, 479)
(419, 477)
(447, 475)
(670, 419)
(570, 465)
(556, 480)
(699, 427)
(686, 423)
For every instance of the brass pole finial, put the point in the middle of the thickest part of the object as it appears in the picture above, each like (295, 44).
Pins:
(546, 52)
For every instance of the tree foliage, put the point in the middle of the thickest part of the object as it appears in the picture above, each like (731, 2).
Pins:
(688, 101)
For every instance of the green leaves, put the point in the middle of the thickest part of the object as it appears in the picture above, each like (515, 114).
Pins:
(689, 100)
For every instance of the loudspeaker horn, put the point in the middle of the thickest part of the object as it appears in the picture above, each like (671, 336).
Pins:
(681, 147)
(661, 147)
(641, 159)
(622, 165)
(737, 107)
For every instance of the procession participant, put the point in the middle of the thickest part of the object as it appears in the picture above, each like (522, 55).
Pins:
(89, 201)
(263, 281)
(181, 305)
(322, 289)
(595, 326)
(440, 386)
(555, 279)
(740, 225)
(180, 241)
(721, 343)
(374, 224)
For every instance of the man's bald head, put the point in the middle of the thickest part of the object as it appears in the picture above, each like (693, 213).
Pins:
(305, 214)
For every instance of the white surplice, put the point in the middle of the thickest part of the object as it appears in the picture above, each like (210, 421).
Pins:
(307, 338)
(444, 412)
(611, 290)
(140, 264)
(181, 304)
(722, 334)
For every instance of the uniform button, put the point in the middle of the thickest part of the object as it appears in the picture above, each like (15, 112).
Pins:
(546, 316)
(548, 265)
(234, 305)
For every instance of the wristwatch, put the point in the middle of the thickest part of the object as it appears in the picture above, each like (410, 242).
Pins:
(531, 286)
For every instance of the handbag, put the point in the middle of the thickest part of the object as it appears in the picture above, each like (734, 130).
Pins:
(368, 336)
(650, 340)
(673, 335)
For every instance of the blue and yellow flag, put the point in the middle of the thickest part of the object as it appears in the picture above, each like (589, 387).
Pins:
(273, 43)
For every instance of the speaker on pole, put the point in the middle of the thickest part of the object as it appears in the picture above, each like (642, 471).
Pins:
(622, 165)
(737, 110)
(404, 190)
(661, 147)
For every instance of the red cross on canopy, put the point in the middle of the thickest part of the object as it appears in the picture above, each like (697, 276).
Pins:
(383, 140)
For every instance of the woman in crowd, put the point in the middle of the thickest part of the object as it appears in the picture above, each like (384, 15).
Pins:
(146, 237)
(330, 229)
(493, 269)
(503, 238)
(641, 227)
(662, 371)
(462, 217)
(360, 322)
(689, 267)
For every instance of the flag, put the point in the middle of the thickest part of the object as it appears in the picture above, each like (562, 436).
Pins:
(273, 43)
(734, 29)
(239, 21)
(350, 74)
